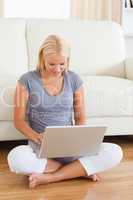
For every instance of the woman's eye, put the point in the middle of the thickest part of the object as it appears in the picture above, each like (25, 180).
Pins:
(51, 64)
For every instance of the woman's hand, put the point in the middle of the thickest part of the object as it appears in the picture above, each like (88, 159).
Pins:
(37, 138)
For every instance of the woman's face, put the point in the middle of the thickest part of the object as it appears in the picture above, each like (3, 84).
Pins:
(55, 64)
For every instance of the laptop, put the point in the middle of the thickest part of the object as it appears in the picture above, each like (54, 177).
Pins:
(69, 141)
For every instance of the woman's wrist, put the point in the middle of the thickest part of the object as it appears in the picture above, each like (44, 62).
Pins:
(37, 138)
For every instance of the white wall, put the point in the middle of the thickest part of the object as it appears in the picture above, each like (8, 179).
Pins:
(37, 8)
(129, 45)
(128, 20)
(1, 8)
(128, 30)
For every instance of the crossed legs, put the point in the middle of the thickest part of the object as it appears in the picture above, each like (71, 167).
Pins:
(42, 171)
(55, 172)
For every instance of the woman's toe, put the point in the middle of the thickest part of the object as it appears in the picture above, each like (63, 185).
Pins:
(32, 184)
(32, 181)
(94, 177)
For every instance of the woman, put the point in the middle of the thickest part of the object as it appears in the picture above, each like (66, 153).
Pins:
(53, 95)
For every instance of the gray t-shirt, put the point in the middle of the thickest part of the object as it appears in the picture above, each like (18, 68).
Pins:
(44, 109)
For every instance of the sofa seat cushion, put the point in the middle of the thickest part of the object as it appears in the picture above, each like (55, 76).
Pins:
(105, 96)
(108, 96)
(7, 89)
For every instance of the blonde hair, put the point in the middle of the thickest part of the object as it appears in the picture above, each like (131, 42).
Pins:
(53, 44)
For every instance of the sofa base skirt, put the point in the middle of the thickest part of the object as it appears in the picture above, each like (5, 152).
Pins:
(115, 126)
(8, 132)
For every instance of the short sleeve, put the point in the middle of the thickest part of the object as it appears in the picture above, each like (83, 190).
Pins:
(24, 80)
(76, 81)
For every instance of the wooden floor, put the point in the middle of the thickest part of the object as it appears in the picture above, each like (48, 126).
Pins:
(116, 184)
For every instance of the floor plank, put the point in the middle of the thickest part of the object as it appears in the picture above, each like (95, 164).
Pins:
(116, 184)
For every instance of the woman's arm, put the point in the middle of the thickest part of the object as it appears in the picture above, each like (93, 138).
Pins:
(79, 107)
(20, 102)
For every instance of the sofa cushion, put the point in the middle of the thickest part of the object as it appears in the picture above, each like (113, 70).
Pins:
(108, 96)
(97, 47)
(105, 96)
(7, 89)
(13, 48)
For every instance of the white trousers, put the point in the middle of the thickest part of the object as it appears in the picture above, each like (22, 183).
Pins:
(22, 159)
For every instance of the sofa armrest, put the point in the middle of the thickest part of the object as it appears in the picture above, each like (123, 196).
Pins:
(129, 68)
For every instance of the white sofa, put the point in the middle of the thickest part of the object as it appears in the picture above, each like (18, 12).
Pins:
(97, 54)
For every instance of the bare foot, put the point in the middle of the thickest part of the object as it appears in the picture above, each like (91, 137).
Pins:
(94, 177)
(38, 179)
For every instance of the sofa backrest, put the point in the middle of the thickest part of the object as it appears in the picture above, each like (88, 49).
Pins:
(97, 47)
(13, 48)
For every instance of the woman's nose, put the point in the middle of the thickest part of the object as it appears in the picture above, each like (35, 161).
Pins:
(58, 67)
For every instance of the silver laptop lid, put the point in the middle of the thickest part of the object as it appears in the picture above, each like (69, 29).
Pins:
(69, 141)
